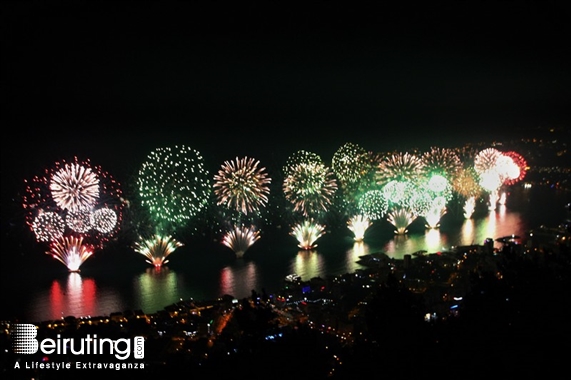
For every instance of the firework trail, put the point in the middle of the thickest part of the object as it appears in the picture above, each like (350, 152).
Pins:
(435, 213)
(240, 239)
(469, 207)
(70, 251)
(307, 233)
(401, 218)
(359, 224)
(157, 248)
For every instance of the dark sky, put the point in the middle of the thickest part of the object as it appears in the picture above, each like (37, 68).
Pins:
(112, 80)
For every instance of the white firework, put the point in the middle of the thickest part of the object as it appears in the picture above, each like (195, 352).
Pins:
(75, 187)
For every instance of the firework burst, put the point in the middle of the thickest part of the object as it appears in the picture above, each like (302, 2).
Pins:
(439, 186)
(373, 205)
(103, 220)
(48, 226)
(310, 188)
(74, 187)
(515, 168)
(300, 157)
(157, 249)
(407, 201)
(442, 161)
(79, 221)
(398, 193)
(486, 160)
(74, 199)
(242, 185)
(466, 184)
(350, 163)
(173, 186)
(491, 180)
(355, 169)
(421, 200)
(399, 167)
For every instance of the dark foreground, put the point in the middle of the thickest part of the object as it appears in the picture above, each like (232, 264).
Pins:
(466, 314)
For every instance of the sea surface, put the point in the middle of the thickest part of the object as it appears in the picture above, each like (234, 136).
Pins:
(38, 288)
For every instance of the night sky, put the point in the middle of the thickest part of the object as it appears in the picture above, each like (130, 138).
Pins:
(111, 81)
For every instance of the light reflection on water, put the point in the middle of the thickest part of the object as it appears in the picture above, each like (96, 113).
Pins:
(467, 232)
(308, 264)
(73, 295)
(360, 248)
(153, 282)
(239, 278)
(209, 276)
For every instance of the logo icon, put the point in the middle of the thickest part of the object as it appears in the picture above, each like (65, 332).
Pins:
(24, 338)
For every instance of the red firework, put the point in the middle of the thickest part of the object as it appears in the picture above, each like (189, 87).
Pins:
(520, 163)
(84, 199)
